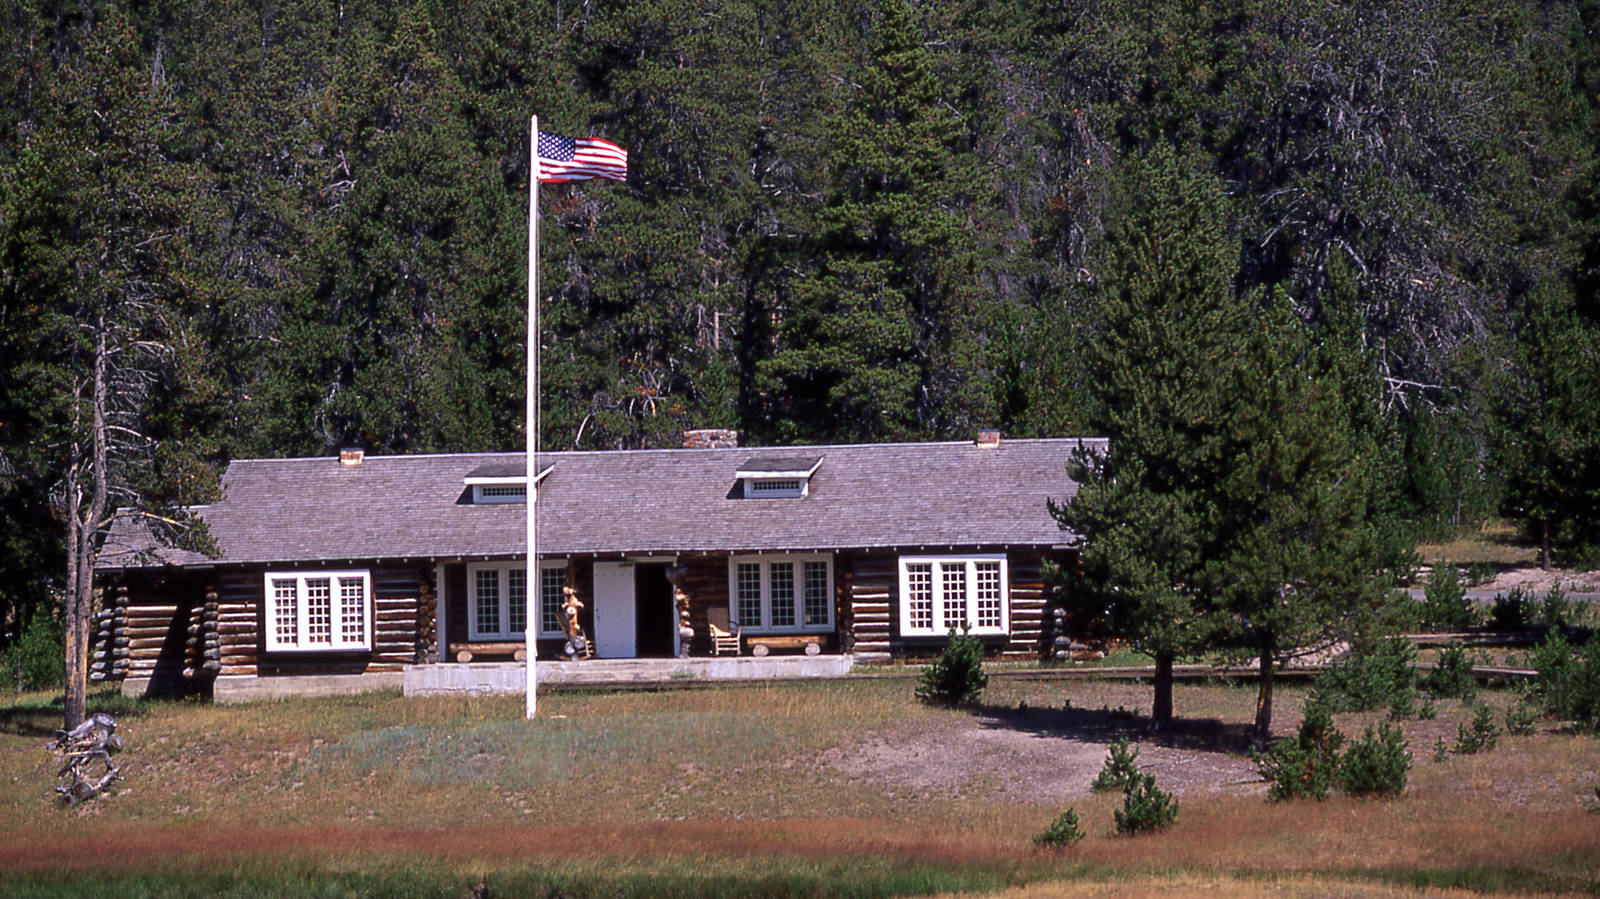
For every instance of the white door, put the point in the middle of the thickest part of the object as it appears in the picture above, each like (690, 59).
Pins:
(615, 628)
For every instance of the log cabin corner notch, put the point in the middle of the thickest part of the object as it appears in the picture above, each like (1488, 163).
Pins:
(336, 576)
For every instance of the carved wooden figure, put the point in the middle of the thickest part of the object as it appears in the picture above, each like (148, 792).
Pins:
(577, 644)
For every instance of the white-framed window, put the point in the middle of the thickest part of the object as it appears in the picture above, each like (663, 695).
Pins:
(552, 577)
(941, 592)
(772, 488)
(484, 494)
(779, 593)
(497, 600)
(318, 611)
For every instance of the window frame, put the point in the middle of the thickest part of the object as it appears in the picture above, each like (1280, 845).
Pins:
(503, 585)
(271, 624)
(788, 487)
(766, 561)
(938, 625)
(498, 494)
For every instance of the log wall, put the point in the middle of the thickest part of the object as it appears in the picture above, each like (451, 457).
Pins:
(705, 581)
(869, 588)
(160, 628)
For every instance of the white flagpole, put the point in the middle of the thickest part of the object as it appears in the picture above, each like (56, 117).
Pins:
(534, 587)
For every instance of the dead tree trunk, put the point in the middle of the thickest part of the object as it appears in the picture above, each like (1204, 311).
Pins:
(84, 517)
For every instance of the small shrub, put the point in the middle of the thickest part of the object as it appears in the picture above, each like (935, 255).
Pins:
(1556, 611)
(956, 677)
(1305, 765)
(1520, 720)
(1511, 611)
(1451, 677)
(1121, 769)
(1063, 832)
(1480, 736)
(1427, 711)
(1145, 808)
(1479, 573)
(1444, 603)
(1440, 751)
(1568, 683)
(34, 659)
(1382, 676)
(1377, 764)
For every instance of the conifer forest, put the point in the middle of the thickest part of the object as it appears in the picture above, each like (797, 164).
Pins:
(241, 228)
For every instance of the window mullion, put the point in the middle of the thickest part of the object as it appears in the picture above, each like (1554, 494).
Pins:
(503, 578)
(970, 587)
(302, 611)
(766, 594)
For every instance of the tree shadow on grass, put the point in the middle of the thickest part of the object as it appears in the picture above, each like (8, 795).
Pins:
(1104, 725)
(41, 716)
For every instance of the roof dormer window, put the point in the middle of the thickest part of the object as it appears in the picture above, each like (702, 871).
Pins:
(500, 482)
(776, 477)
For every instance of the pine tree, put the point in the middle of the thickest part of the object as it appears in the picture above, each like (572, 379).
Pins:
(1550, 448)
(1305, 543)
(1162, 356)
(877, 340)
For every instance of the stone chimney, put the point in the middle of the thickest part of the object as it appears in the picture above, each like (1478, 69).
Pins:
(710, 438)
(988, 438)
(350, 458)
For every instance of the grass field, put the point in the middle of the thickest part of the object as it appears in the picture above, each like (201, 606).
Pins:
(730, 791)
(1498, 543)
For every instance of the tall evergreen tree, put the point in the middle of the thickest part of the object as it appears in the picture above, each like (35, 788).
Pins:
(878, 339)
(1550, 448)
(1305, 548)
(1162, 355)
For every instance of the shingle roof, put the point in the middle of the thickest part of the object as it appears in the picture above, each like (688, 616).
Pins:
(639, 501)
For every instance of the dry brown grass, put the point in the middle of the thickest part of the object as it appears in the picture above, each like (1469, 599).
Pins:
(633, 780)
(1184, 886)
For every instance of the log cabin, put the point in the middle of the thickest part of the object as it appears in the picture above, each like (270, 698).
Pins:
(335, 573)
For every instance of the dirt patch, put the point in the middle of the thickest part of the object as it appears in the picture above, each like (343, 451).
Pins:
(1539, 580)
(1040, 756)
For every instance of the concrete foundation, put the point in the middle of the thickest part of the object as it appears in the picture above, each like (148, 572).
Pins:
(491, 677)
(248, 689)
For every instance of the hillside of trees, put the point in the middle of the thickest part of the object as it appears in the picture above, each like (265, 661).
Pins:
(280, 228)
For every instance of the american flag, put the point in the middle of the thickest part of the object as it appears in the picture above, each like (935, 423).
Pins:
(580, 159)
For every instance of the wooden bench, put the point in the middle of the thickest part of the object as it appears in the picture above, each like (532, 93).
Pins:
(762, 644)
(516, 650)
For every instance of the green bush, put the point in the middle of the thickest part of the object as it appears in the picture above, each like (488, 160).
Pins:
(1479, 573)
(1556, 611)
(1377, 764)
(956, 677)
(1383, 676)
(1511, 611)
(1520, 719)
(1451, 677)
(1305, 765)
(1145, 808)
(34, 660)
(1064, 831)
(1568, 683)
(1121, 769)
(1444, 603)
(1480, 736)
